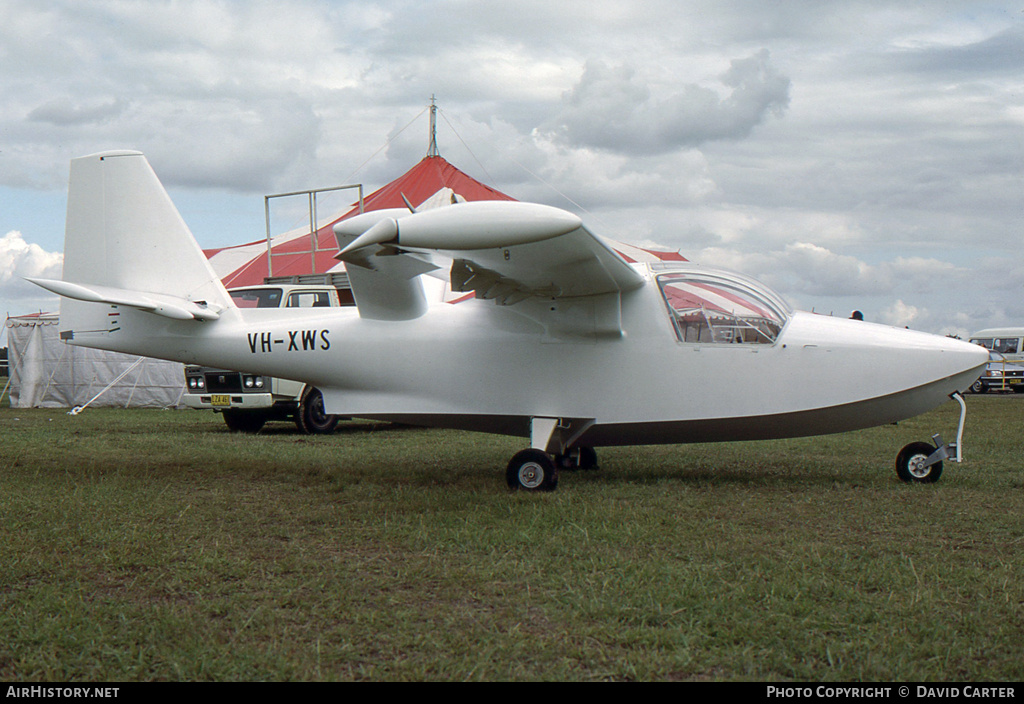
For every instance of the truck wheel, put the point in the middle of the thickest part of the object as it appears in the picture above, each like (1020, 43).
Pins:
(310, 417)
(244, 421)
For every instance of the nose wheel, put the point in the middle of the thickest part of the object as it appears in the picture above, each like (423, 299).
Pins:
(913, 464)
(920, 462)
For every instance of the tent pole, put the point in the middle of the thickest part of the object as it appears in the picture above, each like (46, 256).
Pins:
(432, 149)
(266, 210)
(312, 231)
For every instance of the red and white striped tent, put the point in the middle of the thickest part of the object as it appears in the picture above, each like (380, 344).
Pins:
(430, 182)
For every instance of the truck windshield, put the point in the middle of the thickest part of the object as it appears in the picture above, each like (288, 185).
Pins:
(257, 297)
(722, 307)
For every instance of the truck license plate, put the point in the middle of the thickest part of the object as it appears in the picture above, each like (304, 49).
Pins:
(220, 400)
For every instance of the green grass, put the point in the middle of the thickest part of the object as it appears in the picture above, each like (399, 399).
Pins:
(154, 545)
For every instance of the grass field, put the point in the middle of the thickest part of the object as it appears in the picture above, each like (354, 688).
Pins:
(154, 545)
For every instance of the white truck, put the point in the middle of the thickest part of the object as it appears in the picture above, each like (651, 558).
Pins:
(248, 401)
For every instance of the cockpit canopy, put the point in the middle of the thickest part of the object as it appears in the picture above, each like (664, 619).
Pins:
(720, 307)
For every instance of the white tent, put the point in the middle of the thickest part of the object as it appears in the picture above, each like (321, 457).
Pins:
(46, 373)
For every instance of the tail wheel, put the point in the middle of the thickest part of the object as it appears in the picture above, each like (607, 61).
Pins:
(532, 470)
(310, 417)
(910, 464)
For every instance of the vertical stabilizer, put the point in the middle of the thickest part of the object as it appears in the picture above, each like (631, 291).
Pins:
(123, 232)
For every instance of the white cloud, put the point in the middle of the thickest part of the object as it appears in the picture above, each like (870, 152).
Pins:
(19, 259)
(62, 112)
(613, 108)
(899, 314)
(809, 272)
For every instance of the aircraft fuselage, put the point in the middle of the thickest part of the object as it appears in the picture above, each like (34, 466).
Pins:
(483, 367)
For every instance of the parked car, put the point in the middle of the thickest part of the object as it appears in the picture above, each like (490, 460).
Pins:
(1000, 375)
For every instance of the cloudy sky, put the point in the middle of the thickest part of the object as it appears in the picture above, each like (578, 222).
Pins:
(856, 154)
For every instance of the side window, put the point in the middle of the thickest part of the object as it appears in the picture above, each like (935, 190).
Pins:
(1006, 345)
(309, 299)
(717, 308)
(985, 342)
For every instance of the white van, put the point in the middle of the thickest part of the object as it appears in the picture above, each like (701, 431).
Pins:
(1009, 342)
(1005, 370)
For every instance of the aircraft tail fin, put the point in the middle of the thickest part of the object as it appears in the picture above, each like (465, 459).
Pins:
(126, 244)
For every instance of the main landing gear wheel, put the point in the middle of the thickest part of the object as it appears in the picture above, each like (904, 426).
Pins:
(910, 461)
(532, 470)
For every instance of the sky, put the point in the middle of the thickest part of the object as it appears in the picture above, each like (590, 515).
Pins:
(853, 155)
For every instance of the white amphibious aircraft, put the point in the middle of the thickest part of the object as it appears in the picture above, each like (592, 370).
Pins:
(565, 344)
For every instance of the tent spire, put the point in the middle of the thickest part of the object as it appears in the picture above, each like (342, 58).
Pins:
(432, 149)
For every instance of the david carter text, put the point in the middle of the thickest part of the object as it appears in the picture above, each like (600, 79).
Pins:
(873, 692)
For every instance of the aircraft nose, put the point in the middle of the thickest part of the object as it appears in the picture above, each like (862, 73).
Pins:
(942, 358)
(947, 362)
(880, 360)
(971, 358)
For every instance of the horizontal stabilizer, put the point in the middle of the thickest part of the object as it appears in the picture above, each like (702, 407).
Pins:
(164, 305)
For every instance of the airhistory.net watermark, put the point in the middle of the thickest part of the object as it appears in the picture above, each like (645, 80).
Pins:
(50, 692)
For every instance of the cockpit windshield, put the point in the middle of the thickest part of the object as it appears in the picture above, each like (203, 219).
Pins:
(720, 307)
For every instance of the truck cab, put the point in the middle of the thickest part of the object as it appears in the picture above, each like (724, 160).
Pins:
(247, 401)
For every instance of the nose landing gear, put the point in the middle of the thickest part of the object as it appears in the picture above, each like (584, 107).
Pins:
(920, 462)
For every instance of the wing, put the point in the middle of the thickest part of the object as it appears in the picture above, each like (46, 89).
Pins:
(506, 251)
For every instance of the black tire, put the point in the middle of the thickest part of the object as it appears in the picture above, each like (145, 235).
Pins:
(588, 458)
(577, 458)
(310, 417)
(244, 421)
(977, 387)
(909, 460)
(532, 470)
